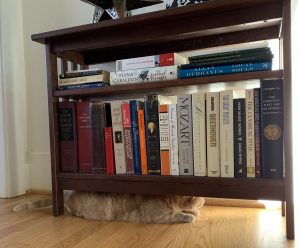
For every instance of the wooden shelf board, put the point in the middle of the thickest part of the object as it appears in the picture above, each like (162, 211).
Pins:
(169, 84)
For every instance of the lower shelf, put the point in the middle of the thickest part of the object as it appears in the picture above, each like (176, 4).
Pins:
(237, 188)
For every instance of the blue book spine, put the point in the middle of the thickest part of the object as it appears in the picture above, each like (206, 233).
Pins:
(135, 137)
(224, 69)
(82, 86)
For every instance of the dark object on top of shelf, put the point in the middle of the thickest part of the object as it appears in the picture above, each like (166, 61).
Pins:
(180, 3)
(114, 9)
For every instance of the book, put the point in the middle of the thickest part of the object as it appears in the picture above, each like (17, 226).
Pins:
(135, 137)
(199, 134)
(125, 106)
(82, 86)
(257, 134)
(137, 63)
(226, 133)
(109, 150)
(81, 73)
(272, 128)
(174, 164)
(175, 3)
(240, 156)
(84, 137)
(164, 139)
(185, 134)
(142, 134)
(152, 134)
(67, 133)
(100, 78)
(213, 134)
(144, 75)
(118, 137)
(250, 138)
(224, 69)
(168, 59)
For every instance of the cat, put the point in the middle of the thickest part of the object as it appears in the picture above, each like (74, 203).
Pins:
(126, 207)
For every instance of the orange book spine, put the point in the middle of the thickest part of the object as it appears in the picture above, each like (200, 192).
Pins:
(143, 146)
(164, 139)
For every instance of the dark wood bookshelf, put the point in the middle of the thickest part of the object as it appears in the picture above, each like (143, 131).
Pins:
(209, 24)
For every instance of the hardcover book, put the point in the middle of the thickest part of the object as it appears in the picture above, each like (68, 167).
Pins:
(185, 135)
(168, 59)
(256, 95)
(240, 156)
(81, 73)
(272, 120)
(144, 75)
(226, 133)
(104, 78)
(137, 63)
(142, 134)
(213, 134)
(67, 132)
(174, 164)
(152, 134)
(82, 86)
(109, 150)
(199, 134)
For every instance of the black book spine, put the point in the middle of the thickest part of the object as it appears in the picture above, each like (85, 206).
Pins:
(152, 134)
(272, 128)
(240, 159)
(256, 94)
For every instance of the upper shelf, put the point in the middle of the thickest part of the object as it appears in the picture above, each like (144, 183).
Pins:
(173, 30)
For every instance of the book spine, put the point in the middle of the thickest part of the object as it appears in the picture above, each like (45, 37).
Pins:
(199, 134)
(137, 63)
(84, 73)
(127, 137)
(109, 151)
(164, 139)
(256, 95)
(144, 75)
(250, 138)
(84, 80)
(213, 134)
(226, 133)
(174, 164)
(240, 156)
(185, 135)
(84, 132)
(272, 120)
(118, 135)
(168, 59)
(82, 86)
(67, 132)
(98, 123)
(224, 69)
(142, 133)
(135, 137)
(152, 134)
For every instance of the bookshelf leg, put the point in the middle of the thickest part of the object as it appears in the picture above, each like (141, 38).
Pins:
(58, 203)
(283, 208)
(290, 225)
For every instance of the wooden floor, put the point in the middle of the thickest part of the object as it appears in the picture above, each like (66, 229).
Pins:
(216, 227)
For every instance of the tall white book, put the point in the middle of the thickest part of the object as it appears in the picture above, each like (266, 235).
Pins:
(213, 134)
(250, 135)
(118, 135)
(226, 133)
(199, 134)
(173, 140)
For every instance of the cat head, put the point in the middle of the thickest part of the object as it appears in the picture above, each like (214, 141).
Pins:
(191, 202)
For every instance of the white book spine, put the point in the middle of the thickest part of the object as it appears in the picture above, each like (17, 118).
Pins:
(84, 79)
(144, 75)
(199, 135)
(213, 134)
(250, 140)
(226, 133)
(137, 63)
(173, 140)
(118, 135)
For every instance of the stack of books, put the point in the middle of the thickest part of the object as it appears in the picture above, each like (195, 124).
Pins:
(83, 79)
(257, 59)
(147, 69)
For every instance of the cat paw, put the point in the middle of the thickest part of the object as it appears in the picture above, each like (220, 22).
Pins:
(189, 218)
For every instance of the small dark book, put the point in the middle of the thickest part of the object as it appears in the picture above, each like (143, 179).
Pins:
(67, 136)
(272, 128)
(256, 95)
(152, 134)
(239, 129)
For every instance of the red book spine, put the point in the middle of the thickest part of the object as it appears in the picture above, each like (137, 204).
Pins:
(67, 136)
(166, 59)
(109, 150)
(84, 132)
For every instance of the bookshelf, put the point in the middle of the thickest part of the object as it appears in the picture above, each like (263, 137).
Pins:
(210, 24)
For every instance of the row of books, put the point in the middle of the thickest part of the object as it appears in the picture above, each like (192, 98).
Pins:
(203, 134)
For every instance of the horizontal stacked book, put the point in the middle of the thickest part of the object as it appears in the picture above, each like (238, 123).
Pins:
(214, 134)
(257, 59)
